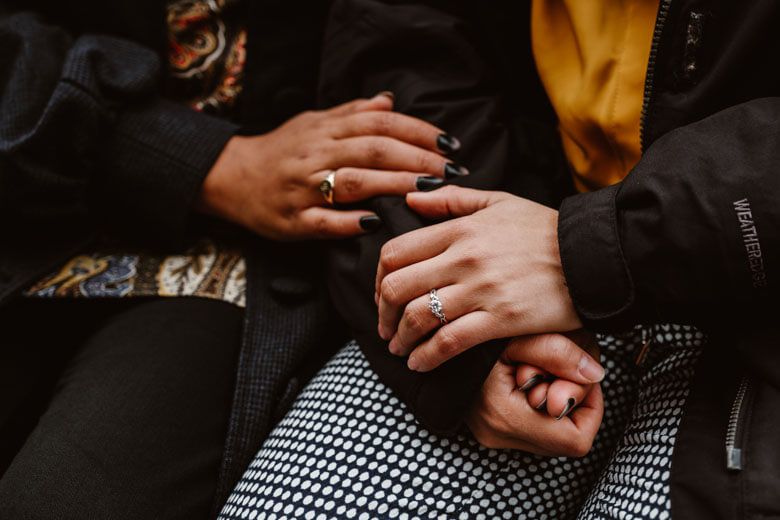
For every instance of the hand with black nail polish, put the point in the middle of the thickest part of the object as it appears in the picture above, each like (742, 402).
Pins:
(271, 183)
(520, 407)
(544, 369)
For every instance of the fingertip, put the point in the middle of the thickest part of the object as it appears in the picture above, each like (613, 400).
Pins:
(527, 377)
(568, 407)
(447, 144)
(394, 347)
(590, 369)
(369, 223)
(385, 100)
(537, 396)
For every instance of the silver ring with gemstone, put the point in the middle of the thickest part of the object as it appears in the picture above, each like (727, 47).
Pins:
(436, 307)
(328, 186)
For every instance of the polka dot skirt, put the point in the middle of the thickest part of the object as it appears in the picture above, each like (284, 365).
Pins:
(349, 449)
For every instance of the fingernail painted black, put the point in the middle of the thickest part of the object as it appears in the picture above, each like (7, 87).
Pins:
(453, 171)
(370, 222)
(428, 183)
(569, 406)
(447, 143)
(541, 405)
(532, 382)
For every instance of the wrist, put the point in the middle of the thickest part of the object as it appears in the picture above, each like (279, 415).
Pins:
(217, 196)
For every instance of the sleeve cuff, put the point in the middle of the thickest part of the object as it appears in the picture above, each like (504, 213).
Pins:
(596, 272)
(158, 156)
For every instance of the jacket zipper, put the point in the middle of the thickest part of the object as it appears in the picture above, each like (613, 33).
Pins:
(734, 431)
(663, 13)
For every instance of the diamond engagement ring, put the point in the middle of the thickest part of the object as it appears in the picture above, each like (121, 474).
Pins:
(327, 186)
(436, 306)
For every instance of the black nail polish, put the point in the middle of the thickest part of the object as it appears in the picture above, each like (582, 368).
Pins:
(447, 143)
(532, 382)
(428, 183)
(370, 222)
(541, 405)
(569, 406)
(453, 171)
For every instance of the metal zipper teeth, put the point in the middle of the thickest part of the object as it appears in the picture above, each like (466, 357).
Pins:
(663, 12)
(734, 454)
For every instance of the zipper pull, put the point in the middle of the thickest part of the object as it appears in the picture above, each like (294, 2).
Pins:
(641, 355)
(733, 459)
(734, 431)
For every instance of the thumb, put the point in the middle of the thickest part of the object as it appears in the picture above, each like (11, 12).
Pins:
(556, 354)
(451, 201)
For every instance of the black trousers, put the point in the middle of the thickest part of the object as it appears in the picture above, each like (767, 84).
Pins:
(114, 409)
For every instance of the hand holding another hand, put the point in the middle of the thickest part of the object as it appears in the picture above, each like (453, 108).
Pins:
(541, 417)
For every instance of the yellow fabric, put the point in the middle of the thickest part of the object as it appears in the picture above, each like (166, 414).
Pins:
(592, 58)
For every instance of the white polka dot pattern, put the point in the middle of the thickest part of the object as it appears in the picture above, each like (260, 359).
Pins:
(350, 449)
(635, 484)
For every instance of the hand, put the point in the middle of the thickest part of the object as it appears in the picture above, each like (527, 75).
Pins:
(505, 418)
(270, 183)
(556, 371)
(496, 268)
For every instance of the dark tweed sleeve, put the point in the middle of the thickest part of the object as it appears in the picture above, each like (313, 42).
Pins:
(85, 133)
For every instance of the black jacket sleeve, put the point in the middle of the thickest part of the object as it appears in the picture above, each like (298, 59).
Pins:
(436, 58)
(84, 132)
(692, 234)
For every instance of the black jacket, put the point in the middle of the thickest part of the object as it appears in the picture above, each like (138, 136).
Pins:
(692, 235)
(89, 147)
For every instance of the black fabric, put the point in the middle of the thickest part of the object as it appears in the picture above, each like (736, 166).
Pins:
(446, 67)
(279, 351)
(683, 218)
(84, 135)
(115, 409)
(89, 147)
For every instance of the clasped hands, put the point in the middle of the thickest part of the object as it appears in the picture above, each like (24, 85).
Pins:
(495, 264)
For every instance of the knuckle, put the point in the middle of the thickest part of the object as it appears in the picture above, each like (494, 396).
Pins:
(559, 349)
(414, 318)
(308, 116)
(376, 150)
(391, 289)
(513, 312)
(424, 162)
(469, 259)
(381, 123)
(388, 257)
(464, 228)
(320, 225)
(447, 343)
(350, 181)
